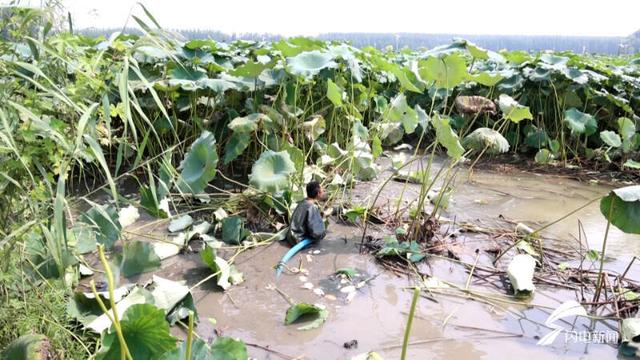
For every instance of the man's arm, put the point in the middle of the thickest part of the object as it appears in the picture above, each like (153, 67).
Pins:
(315, 225)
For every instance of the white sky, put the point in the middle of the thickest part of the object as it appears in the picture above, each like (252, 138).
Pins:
(302, 17)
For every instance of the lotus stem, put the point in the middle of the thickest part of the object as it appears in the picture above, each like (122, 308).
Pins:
(407, 330)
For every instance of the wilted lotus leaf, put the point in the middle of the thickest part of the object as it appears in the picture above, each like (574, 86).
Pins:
(310, 63)
(579, 122)
(512, 110)
(314, 127)
(199, 165)
(271, 171)
(520, 271)
(485, 138)
(475, 105)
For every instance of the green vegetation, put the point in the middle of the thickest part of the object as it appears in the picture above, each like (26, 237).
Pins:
(79, 115)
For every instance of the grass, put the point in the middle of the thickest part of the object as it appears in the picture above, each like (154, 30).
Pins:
(40, 307)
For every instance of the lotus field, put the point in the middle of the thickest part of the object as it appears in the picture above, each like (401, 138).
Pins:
(217, 141)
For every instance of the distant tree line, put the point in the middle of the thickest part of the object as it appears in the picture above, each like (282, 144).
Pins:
(578, 44)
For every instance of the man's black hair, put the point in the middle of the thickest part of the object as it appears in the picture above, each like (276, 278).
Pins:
(313, 188)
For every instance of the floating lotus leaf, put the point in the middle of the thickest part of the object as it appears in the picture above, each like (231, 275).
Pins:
(579, 122)
(310, 63)
(475, 105)
(626, 208)
(447, 137)
(138, 257)
(199, 165)
(485, 138)
(226, 348)
(446, 72)
(145, 331)
(520, 272)
(271, 171)
(296, 311)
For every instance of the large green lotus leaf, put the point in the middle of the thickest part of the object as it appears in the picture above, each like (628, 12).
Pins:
(536, 138)
(250, 69)
(447, 137)
(610, 138)
(28, 347)
(626, 128)
(218, 86)
(512, 110)
(401, 112)
(520, 271)
(139, 257)
(334, 93)
(238, 143)
(558, 62)
(296, 155)
(408, 80)
(485, 138)
(186, 73)
(314, 127)
(360, 130)
(271, 171)
(199, 351)
(446, 72)
(296, 311)
(579, 122)
(103, 220)
(576, 75)
(85, 308)
(626, 208)
(297, 45)
(145, 331)
(226, 348)
(486, 78)
(199, 165)
(85, 238)
(310, 63)
(476, 51)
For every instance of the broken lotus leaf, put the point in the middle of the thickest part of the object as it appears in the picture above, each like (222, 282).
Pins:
(270, 173)
(226, 348)
(485, 138)
(128, 215)
(227, 274)
(520, 272)
(199, 165)
(295, 311)
(232, 230)
(104, 221)
(138, 257)
(180, 223)
(622, 208)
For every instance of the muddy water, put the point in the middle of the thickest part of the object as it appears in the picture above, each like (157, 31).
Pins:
(376, 317)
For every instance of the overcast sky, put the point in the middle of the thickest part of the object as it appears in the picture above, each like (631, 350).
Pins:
(301, 17)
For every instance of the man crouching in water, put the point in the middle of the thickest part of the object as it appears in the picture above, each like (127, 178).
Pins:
(306, 221)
